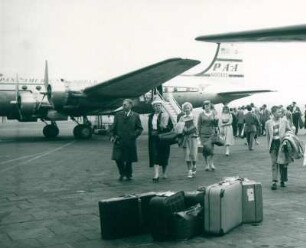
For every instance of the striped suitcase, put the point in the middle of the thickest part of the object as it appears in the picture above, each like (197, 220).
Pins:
(223, 207)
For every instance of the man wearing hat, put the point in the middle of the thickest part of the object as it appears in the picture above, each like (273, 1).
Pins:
(124, 132)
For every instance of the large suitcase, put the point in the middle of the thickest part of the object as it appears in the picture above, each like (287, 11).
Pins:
(188, 223)
(162, 208)
(124, 216)
(252, 203)
(223, 207)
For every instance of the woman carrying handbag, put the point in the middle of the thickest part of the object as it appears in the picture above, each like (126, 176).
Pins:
(189, 141)
(207, 123)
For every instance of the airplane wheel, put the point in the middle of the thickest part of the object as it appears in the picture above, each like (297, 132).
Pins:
(76, 131)
(82, 132)
(50, 131)
(85, 132)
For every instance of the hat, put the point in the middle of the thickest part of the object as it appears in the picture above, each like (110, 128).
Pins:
(157, 101)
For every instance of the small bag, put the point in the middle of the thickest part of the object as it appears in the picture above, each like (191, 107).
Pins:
(188, 223)
(169, 138)
(218, 139)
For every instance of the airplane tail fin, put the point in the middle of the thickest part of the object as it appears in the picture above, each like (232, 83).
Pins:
(226, 64)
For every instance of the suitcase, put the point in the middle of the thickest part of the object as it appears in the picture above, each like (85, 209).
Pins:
(252, 203)
(124, 216)
(223, 207)
(162, 208)
(145, 199)
(188, 223)
(194, 197)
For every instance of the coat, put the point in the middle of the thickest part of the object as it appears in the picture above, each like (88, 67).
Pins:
(291, 148)
(126, 130)
(159, 152)
(251, 123)
(283, 127)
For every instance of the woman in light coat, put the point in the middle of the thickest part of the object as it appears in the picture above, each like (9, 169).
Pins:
(189, 138)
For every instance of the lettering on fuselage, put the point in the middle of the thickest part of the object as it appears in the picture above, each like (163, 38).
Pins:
(225, 68)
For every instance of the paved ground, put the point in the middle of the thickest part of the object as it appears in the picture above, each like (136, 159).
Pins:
(49, 192)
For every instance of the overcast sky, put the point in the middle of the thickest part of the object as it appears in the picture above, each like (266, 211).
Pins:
(99, 39)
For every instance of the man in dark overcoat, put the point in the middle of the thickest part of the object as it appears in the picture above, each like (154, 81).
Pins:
(124, 132)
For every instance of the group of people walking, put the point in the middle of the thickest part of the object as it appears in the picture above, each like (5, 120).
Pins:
(194, 133)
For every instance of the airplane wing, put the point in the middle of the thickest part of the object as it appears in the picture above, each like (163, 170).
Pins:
(233, 95)
(139, 82)
(280, 34)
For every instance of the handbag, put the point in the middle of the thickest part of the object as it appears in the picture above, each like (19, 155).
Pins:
(218, 139)
(188, 223)
(168, 138)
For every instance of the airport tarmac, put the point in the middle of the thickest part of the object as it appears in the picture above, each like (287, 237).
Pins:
(49, 191)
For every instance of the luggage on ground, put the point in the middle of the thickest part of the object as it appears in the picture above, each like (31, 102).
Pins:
(252, 203)
(188, 223)
(223, 207)
(124, 216)
(194, 197)
(162, 208)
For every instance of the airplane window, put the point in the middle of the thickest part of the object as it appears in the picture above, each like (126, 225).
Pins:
(181, 89)
(170, 89)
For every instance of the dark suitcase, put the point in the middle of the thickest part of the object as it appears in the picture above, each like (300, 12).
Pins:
(194, 197)
(124, 216)
(188, 223)
(162, 208)
(223, 207)
(252, 203)
(145, 199)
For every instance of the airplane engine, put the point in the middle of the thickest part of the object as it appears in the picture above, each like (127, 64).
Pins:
(58, 94)
(26, 103)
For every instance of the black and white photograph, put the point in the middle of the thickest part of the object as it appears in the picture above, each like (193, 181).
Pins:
(148, 124)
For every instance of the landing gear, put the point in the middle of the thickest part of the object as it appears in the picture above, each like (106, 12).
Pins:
(51, 130)
(83, 131)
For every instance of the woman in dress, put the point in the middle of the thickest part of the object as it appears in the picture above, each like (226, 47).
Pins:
(159, 152)
(207, 123)
(189, 138)
(226, 128)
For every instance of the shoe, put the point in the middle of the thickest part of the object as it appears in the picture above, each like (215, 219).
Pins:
(282, 184)
(189, 174)
(256, 142)
(194, 171)
(212, 167)
(129, 178)
(207, 168)
(155, 179)
(227, 154)
(165, 177)
(274, 186)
